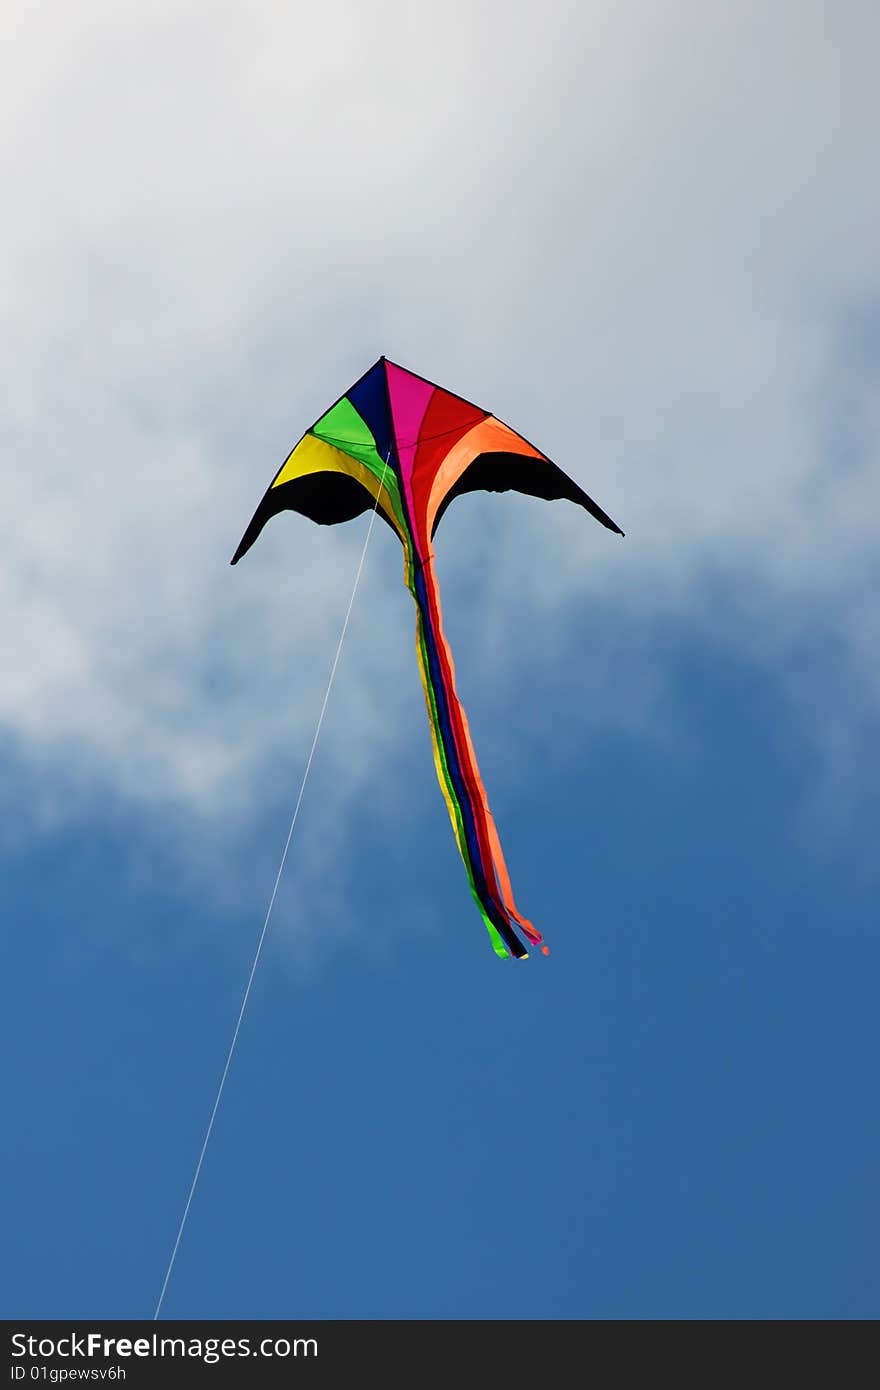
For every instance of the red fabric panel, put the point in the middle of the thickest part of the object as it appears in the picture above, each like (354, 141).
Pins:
(446, 420)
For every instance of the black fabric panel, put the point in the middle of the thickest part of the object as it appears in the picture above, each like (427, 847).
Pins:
(500, 472)
(326, 498)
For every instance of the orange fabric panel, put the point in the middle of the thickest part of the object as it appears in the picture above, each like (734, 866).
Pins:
(490, 436)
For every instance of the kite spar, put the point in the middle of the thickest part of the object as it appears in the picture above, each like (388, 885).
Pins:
(401, 446)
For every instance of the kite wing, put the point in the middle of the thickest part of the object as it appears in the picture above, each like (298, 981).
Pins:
(400, 444)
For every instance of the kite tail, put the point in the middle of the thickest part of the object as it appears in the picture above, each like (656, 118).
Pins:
(459, 777)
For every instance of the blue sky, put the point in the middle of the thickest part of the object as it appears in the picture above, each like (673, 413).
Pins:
(670, 282)
(671, 1116)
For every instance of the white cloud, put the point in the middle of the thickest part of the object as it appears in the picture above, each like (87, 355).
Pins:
(645, 235)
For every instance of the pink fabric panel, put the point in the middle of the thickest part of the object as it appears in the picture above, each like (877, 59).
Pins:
(409, 397)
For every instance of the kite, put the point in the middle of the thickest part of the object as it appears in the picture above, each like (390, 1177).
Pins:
(401, 446)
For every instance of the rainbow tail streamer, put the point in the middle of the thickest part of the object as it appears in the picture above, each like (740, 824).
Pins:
(459, 776)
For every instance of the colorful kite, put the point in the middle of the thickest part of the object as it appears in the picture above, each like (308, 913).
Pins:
(398, 443)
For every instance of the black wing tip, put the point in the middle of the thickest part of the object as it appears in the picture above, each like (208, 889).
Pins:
(245, 544)
(596, 511)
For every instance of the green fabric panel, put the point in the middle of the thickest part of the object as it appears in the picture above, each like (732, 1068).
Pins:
(343, 427)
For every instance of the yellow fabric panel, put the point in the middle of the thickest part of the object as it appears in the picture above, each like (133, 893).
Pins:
(487, 437)
(313, 455)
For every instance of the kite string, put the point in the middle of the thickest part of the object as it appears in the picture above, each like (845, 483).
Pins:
(262, 938)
